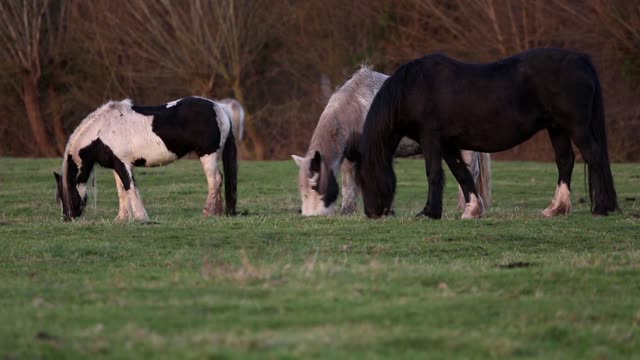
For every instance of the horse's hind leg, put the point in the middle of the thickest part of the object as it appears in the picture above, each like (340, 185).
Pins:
(124, 208)
(600, 180)
(565, 159)
(473, 203)
(470, 159)
(349, 188)
(214, 205)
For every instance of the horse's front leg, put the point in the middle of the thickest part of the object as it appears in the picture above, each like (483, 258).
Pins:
(125, 173)
(124, 208)
(565, 159)
(349, 188)
(433, 164)
(474, 207)
(214, 205)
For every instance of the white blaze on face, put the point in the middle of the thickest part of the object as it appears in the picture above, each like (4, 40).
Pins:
(82, 190)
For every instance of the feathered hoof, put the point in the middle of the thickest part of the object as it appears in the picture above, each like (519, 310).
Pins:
(347, 210)
(553, 211)
(474, 209)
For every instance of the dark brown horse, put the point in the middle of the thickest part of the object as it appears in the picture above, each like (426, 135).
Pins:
(447, 105)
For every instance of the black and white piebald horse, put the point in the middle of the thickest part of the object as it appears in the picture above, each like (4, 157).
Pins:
(120, 136)
(447, 105)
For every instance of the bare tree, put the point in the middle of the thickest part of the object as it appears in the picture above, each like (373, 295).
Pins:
(202, 47)
(23, 47)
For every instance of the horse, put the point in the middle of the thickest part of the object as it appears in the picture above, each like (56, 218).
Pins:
(447, 105)
(120, 136)
(345, 113)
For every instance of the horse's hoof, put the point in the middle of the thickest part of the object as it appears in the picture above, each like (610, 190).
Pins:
(466, 216)
(471, 214)
(347, 211)
(557, 211)
(428, 215)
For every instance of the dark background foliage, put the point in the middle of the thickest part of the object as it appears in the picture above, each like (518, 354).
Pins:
(61, 59)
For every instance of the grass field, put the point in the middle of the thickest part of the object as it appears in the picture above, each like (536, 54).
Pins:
(272, 284)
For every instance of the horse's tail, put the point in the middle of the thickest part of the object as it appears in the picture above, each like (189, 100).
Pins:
(602, 192)
(230, 166)
(483, 183)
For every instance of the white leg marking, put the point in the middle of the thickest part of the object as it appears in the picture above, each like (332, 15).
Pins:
(213, 206)
(561, 203)
(349, 188)
(124, 209)
(135, 200)
(470, 159)
(474, 209)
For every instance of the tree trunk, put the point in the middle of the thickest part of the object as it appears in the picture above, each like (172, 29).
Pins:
(58, 126)
(250, 126)
(34, 114)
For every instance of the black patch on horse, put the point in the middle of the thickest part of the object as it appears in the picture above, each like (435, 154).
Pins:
(190, 125)
(99, 153)
(140, 162)
(327, 185)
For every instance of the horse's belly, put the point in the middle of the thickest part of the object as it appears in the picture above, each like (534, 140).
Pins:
(146, 150)
(156, 154)
(134, 142)
(497, 139)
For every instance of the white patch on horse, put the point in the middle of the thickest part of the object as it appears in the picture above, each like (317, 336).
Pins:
(82, 190)
(561, 203)
(173, 103)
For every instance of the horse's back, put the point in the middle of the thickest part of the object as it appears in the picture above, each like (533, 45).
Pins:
(190, 124)
(508, 100)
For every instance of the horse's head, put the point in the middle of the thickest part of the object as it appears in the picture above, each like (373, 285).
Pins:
(70, 195)
(376, 179)
(318, 185)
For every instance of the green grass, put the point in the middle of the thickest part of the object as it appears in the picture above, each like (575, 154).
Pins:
(272, 284)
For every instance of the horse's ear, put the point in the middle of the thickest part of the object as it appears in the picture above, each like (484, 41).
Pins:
(351, 151)
(316, 163)
(297, 159)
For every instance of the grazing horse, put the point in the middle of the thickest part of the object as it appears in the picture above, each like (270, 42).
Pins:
(344, 114)
(447, 105)
(120, 136)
